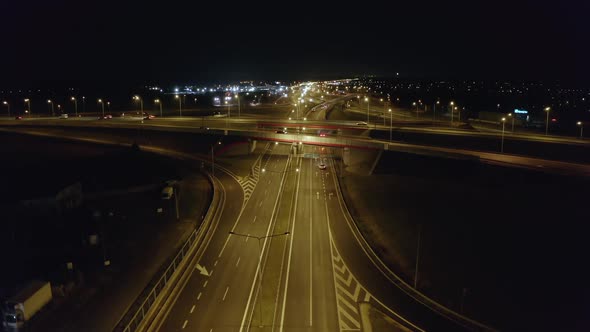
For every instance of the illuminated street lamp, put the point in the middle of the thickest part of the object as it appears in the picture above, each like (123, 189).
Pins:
(28, 101)
(157, 101)
(452, 103)
(179, 104)
(510, 116)
(7, 106)
(547, 109)
(83, 104)
(50, 104)
(415, 104)
(102, 105)
(213, 158)
(239, 105)
(390, 124)
(502, 145)
(138, 98)
(434, 107)
(258, 268)
(75, 105)
(581, 124)
(368, 106)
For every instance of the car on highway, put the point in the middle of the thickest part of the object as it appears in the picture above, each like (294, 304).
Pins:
(322, 166)
(149, 117)
(281, 131)
(63, 116)
(361, 123)
(18, 117)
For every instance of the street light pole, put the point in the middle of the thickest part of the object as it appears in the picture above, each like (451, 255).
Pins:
(368, 100)
(75, 105)
(502, 145)
(138, 98)
(7, 106)
(50, 103)
(259, 267)
(417, 256)
(579, 124)
(28, 101)
(157, 101)
(390, 124)
(510, 116)
(239, 105)
(102, 104)
(83, 104)
(452, 103)
(547, 109)
(434, 112)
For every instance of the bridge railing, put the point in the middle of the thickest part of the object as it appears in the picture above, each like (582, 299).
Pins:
(152, 294)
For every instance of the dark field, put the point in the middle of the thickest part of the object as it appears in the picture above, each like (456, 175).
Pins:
(507, 247)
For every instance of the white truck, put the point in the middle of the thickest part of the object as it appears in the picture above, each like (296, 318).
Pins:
(23, 306)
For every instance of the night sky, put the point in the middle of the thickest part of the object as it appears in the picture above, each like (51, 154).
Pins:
(286, 40)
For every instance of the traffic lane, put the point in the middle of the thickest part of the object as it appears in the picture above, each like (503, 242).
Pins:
(296, 303)
(244, 253)
(190, 294)
(269, 187)
(325, 311)
(373, 279)
(207, 293)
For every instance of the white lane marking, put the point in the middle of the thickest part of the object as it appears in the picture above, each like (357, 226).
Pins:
(193, 308)
(205, 283)
(253, 220)
(225, 244)
(210, 273)
(260, 204)
(238, 262)
(215, 264)
(198, 296)
(225, 294)
(290, 254)
(247, 237)
(184, 325)
(254, 281)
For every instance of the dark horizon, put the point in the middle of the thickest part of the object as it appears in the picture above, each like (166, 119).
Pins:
(125, 42)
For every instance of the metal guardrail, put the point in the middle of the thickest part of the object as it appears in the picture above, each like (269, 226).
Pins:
(137, 312)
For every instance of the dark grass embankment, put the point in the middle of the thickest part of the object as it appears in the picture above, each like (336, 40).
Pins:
(505, 246)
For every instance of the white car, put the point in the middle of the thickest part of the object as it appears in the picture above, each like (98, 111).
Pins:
(63, 116)
(361, 123)
(322, 166)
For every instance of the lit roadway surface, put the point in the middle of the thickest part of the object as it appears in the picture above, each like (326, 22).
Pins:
(314, 272)
(340, 130)
(323, 270)
(223, 301)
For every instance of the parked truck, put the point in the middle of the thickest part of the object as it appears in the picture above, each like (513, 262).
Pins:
(19, 309)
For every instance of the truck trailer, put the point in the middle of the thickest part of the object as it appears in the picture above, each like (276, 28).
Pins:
(19, 309)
